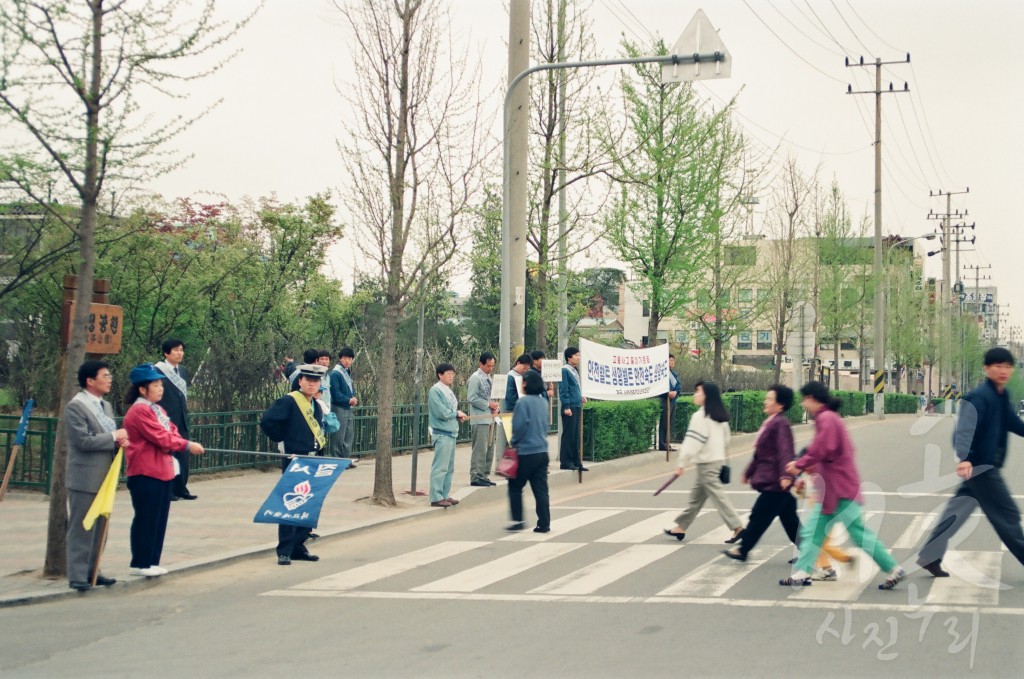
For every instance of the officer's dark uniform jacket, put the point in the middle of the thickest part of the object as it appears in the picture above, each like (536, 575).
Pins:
(986, 417)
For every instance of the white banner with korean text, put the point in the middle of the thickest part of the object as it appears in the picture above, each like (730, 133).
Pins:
(613, 374)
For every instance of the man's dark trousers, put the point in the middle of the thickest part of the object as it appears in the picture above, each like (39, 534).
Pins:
(988, 490)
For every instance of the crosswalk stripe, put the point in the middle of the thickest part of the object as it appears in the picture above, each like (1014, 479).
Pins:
(919, 525)
(974, 579)
(853, 579)
(564, 525)
(386, 568)
(716, 577)
(481, 576)
(591, 578)
(642, 530)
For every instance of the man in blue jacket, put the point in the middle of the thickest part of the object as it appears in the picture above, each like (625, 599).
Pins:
(986, 417)
(343, 399)
(570, 396)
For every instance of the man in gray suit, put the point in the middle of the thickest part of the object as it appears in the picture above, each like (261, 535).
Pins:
(93, 439)
(481, 410)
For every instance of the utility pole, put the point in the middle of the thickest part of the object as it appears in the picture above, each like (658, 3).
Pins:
(513, 265)
(879, 333)
(946, 301)
(563, 249)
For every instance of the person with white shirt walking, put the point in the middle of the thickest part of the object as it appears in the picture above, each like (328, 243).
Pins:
(704, 446)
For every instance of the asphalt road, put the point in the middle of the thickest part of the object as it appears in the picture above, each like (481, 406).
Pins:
(603, 595)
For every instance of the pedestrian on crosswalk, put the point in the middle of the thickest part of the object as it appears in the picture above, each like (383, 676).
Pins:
(530, 439)
(704, 444)
(837, 483)
(766, 474)
(980, 439)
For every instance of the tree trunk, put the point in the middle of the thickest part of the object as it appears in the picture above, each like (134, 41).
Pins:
(383, 484)
(780, 336)
(55, 562)
(652, 327)
(542, 308)
(716, 368)
(835, 364)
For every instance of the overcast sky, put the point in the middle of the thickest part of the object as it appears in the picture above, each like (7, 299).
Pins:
(277, 128)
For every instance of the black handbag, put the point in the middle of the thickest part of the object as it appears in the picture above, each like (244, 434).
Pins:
(724, 474)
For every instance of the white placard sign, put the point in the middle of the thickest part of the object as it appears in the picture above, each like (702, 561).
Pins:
(551, 370)
(498, 384)
(614, 374)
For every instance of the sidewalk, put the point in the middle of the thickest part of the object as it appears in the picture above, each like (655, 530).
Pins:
(217, 528)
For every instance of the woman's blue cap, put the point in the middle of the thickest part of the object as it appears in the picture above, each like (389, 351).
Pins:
(141, 374)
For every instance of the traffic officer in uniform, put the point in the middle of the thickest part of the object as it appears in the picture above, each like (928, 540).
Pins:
(296, 420)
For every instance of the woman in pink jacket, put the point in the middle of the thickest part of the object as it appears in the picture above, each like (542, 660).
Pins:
(151, 467)
(837, 485)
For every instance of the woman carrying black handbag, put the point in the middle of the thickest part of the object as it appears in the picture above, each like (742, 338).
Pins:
(704, 444)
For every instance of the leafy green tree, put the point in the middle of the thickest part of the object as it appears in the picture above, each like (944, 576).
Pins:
(483, 309)
(672, 162)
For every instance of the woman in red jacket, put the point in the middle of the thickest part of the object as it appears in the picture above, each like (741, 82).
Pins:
(151, 467)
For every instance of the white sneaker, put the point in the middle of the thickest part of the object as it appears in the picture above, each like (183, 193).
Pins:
(163, 571)
(824, 575)
(149, 572)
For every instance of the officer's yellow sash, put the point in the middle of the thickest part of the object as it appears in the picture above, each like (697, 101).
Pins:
(306, 408)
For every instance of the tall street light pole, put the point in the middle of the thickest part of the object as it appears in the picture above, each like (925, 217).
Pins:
(701, 45)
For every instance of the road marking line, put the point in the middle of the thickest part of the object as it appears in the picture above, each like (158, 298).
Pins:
(385, 568)
(478, 577)
(644, 530)
(973, 580)
(716, 577)
(699, 601)
(919, 525)
(601, 573)
(565, 524)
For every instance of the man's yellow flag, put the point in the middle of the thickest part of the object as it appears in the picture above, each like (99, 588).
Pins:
(103, 504)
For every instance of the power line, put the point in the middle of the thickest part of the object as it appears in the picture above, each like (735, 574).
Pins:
(786, 44)
(801, 32)
(871, 30)
(850, 28)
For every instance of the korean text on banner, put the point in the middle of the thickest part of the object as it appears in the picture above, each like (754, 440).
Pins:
(299, 494)
(614, 374)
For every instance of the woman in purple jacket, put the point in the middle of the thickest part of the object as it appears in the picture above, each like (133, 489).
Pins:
(766, 474)
(837, 485)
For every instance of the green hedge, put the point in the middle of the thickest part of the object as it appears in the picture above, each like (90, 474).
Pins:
(746, 412)
(900, 403)
(854, 402)
(618, 428)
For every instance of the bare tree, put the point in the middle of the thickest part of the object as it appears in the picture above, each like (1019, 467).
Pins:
(565, 108)
(415, 157)
(71, 78)
(782, 273)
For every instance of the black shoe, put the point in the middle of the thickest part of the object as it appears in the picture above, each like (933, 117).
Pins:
(79, 586)
(517, 526)
(189, 496)
(734, 555)
(314, 536)
(481, 484)
(736, 535)
(795, 582)
(567, 467)
(305, 557)
(538, 529)
(283, 560)
(175, 498)
(104, 581)
(677, 536)
(582, 469)
(793, 560)
(489, 482)
(935, 568)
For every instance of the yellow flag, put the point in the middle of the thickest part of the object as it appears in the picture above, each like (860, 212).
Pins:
(506, 422)
(104, 502)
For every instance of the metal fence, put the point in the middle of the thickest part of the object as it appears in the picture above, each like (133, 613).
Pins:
(238, 430)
